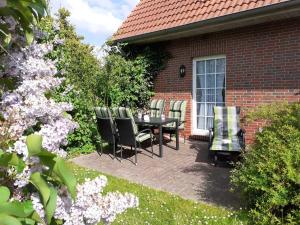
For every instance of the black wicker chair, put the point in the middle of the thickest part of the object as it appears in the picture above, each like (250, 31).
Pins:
(106, 128)
(128, 136)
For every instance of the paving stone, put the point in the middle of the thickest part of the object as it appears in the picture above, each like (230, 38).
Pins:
(186, 172)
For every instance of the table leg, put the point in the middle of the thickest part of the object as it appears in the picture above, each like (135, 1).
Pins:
(160, 141)
(177, 136)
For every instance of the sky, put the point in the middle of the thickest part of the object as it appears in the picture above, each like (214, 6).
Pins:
(96, 20)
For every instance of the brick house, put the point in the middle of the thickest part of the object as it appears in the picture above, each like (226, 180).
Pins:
(235, 52)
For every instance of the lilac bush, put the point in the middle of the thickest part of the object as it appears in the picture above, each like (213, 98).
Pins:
(29, 105)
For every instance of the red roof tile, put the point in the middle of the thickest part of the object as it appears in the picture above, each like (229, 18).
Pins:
(155, 15)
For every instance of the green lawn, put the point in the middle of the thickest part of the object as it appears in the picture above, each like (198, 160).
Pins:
(161, 208)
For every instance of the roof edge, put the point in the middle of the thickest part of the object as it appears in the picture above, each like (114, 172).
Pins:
(248, 14)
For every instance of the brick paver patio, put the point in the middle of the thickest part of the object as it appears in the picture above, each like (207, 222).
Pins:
(186, 172)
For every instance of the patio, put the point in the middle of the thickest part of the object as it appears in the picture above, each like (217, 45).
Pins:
(186, 172)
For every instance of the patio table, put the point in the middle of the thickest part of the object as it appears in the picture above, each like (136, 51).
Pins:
(158, 122)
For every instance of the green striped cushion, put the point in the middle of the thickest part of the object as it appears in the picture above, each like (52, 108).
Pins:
(122, 112)
(143, 137)
(226, 128)
(177, 110)
(157, 107)
(102, 112)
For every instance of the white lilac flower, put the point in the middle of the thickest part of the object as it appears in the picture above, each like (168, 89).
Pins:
(28, 106)
(90, 206)
(37, 205)
(20, 148)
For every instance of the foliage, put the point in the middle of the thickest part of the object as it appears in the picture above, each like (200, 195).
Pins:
(84, 139)
(20, 16)
(269, 176)
(124, 77)
(128, 74)
(31, 166)
(58, 173)
(81, 71)
(13, 213)
(158, 207)
(75, 59)
(125, 82)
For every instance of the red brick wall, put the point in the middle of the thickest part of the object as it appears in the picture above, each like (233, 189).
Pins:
(263, 66)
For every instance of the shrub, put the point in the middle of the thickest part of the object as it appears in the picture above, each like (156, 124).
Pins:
(126, 82)
(79, 67)
(124, 77)
(269, 176)
(84, 139)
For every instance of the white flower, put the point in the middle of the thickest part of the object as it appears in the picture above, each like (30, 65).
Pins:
(37, 205)
(90, 206)
(29, 105)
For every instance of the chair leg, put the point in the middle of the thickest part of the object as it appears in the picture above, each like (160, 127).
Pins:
(215, 159)
(121, 153)
(101, 149)
(135, 154)
(114, 148)
(152, 145)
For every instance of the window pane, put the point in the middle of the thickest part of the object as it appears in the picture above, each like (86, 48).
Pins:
(200, 67)
(200, 95)
(211, 91)
(220, 95)
(210, 81)
(210, 98)
(200, 82)
(220, 65)
(209, 111)
(201, 123)
(220, 80)
(201, 109)
(211, 66)
(220, 104)
(209, 122)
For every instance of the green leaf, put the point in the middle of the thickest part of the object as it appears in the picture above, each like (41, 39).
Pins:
(34, 144)
(41, 185)
(27, 221)
(51, 205)
(12, 159)
(66, 175)
(4, 194)
(29, 36)
(35, 216)
(18, 209)
(8, 220)
(7, 39)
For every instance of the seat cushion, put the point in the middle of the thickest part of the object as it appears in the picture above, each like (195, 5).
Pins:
(122, 112)
(143, 137)
(157, 107)
(226, 121)
(225, 144)
(177, 110)
(102, 112)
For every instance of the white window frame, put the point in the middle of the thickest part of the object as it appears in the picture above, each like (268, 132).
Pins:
(195, 130)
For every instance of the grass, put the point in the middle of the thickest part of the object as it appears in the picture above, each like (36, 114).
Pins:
(161, 208)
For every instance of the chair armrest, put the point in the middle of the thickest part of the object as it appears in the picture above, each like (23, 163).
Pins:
(180, 122)
(145, 130)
